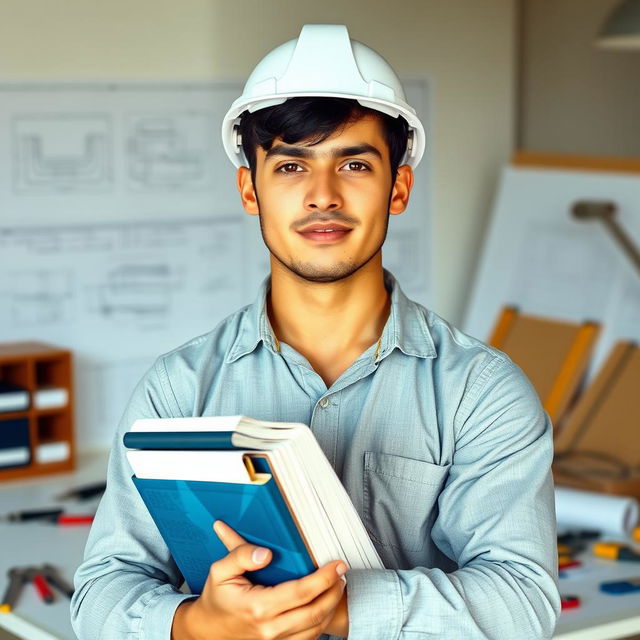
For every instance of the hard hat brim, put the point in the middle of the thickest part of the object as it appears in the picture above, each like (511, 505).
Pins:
(234, 151)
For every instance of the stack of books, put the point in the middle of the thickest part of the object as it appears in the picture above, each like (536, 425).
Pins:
(269, 481)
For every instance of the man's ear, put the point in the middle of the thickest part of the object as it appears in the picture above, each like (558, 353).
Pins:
(247, 191)
(401, 190)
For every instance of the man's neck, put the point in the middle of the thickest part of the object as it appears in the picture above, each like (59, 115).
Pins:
(331, 324)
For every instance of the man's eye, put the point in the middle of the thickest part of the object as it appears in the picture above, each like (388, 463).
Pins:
(354, 165)
(289, 167)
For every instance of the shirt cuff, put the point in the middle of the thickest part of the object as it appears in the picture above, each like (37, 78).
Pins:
(157, 616)
(374, 602)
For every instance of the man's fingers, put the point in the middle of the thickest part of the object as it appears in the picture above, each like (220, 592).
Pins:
(246, 557)
(296, 593)
(311, 617)
(227, 535)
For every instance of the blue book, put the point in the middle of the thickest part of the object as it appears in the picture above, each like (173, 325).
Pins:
(14, 443)
(184, 512)
(269, 481)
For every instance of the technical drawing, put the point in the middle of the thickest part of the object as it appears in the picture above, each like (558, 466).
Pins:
(61, 153)
(562, 271)
(39, 297)
(139, 292)
(169, 151)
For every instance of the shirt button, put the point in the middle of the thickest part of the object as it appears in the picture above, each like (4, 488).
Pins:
(324, 403)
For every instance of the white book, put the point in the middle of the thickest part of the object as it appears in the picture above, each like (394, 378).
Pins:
(49, 452)
(325, 515)
(14, 456)
(50, 397)
(13, 400)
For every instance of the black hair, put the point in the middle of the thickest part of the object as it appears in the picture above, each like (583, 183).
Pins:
(314, 119)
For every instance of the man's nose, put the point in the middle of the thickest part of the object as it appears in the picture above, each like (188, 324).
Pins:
(323, 193)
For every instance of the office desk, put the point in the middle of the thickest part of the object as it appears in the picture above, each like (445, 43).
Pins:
(36, 543)
(601, 616)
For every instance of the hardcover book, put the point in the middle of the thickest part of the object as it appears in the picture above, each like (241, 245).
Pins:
(269, 481)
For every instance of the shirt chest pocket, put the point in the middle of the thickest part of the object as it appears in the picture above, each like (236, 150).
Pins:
(400, 499)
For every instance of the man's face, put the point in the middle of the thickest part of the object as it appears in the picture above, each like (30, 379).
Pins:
(324, 208)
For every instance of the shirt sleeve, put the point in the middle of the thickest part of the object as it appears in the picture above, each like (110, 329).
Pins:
(496, 520)
(128, 584)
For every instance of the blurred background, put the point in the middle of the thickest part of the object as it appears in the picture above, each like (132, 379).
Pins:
(121, 234)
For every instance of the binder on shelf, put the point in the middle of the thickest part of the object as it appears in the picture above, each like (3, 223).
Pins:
(269, 481)
(13, 397)
(14, 443)
(50, 397)
(48, 452)
(554, 354)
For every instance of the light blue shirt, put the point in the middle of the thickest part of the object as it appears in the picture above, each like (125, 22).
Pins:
(439, 440)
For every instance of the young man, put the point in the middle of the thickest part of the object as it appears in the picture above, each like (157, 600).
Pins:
(439, 440)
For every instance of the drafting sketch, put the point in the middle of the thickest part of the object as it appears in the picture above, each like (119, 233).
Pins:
(556, 274)
(38, 297)
(135, 291)
(539, 257)
(141, 242)
(63, 152)
(169, 151)
(120, 293)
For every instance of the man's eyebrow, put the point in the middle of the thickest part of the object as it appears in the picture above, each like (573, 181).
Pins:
(290, 151)
(356, 150)
(307, 152)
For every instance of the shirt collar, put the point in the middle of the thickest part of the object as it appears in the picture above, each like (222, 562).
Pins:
(406, 329)
(254, 326)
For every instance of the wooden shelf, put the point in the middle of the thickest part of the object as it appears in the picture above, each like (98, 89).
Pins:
(33, 366)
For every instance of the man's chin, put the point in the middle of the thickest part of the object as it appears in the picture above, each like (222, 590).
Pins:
(316, 274)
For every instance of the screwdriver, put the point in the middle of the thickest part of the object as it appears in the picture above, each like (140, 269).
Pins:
(615, 551)
(17, 577)
(31, 514)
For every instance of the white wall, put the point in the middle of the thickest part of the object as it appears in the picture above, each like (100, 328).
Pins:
(576, 98)
(465, 47)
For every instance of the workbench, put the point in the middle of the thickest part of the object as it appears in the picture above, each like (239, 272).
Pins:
(37, 543)
(600, 616)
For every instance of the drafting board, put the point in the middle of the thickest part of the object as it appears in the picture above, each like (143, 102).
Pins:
(538, 258)
(122, 234)
(553, 354)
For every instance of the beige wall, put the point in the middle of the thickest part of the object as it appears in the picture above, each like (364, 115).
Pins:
(465, 47)
(576, 98)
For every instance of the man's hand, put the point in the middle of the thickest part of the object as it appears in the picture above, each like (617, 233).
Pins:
(232, 608)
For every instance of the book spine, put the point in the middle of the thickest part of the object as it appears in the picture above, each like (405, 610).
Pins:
(178, 440)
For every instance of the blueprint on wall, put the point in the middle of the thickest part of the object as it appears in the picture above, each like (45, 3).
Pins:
(539, 258)
(122, 234)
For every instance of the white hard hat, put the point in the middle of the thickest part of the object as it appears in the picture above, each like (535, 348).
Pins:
(323, 62)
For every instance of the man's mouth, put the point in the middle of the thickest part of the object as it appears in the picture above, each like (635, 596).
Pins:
(324, 232)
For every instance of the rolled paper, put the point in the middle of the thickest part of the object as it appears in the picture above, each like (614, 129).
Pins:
(576, 509)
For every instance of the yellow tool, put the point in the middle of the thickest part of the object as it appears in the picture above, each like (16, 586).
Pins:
(615, 551)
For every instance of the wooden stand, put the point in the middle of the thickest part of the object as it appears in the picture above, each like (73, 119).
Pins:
(553, 354)
(35, 366)
(598, 447)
